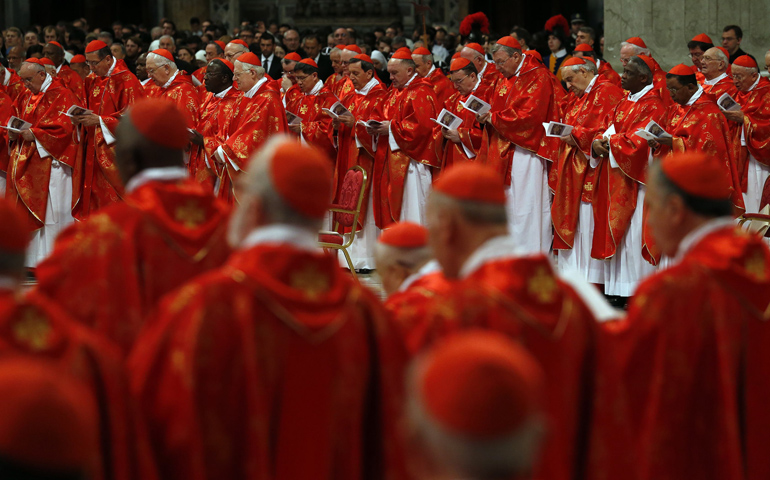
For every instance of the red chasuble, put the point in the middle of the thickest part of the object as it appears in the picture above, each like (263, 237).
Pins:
(15, 87)
(71, 79)
(34, 326)
(276, 366)
(450, 153)
(616, 189)
(609, 73)
(291, 95)
(28, 172)
(6, 110)
(575, 177)
(340, 85)
(725, 85)
(110, 271)
(682, 389)
(755, 105)
(524, 299)
(490, 77)
(316, 128)
(520, 105)
(215, 115)
(442, 87)
(108, 97)
(409, 111)
(185, 95)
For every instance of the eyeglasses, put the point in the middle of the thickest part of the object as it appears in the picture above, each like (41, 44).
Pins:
(706, 58)
(458, 82)
(696, 55)
(301, 79)
(152, 72)
(503, 62)
(93, 64)
(673, 91)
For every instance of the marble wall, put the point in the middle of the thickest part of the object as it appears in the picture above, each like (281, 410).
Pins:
(667, 25)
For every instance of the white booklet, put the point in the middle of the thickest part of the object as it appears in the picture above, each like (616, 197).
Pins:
(448, 120)
(556, 129)
(652, 131)
(370, 123)
(759, 226)
(336, 111)
(477, 105)
(75, 110)
(293, 119)
(15, 124)
(728, 103)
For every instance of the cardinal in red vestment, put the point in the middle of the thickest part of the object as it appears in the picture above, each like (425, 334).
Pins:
(442, 87)
(79, 65)
(488, 73)
(514, 142)
(6, 110)
(410, 277)
(337, 81)
(32, 326)
(109, 272)
(499, 288)
(150, 88)
(716, 71)
(11, 83)
(69, 78)
(174, 84)
(605, 70)
(573, 218)
(698, 47)
(290, 90)
(681, 390)
(111, 90)
(307, 120)
(277, 365)
(214, 49)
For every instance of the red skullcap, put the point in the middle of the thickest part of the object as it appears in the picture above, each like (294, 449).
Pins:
(249, 58)
(637, 41)
(573, 61)
(220, 44)
(745, 61)
(584, 47)
(240, 42)
(476, 47)
(57, 44)
(703, 38)
(421, 51)
(309, 61)
(458, 64)
(364, 58)
(95, 45)
(681, 69)
(293, 56)
(698, 174)
(46, 61)
(456, 56)
(472, 181)
(340, 46)
(48, 419)
(34, 60)
(14, 231)
(353, 48)
(509, 41)
(164, 53)
(78, 59)
(480, 384)
(405, 235)
(649, 61)
(724, 50)
(227, 62)
(160, 121)
(402, 53)
(590, 59)
(302, 176)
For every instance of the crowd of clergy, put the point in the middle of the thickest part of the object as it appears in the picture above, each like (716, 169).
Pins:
(575, 282)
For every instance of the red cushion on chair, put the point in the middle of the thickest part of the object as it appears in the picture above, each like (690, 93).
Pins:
(330, 238)
(351, 189)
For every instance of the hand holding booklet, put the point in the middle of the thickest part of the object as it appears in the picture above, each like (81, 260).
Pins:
(336, 111)
(556, 129)
(17, 125)
(75, 111)
(728, 103)
(293, 119)
(652, 131)
(448, 120)
(477, 105)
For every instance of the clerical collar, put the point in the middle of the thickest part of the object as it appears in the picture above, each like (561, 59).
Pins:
(410, 80)
(7, 77)
(368, 87)
(694, 237)
(144, 82)
(46, 83)
(590, 85)
(481, 73)
(223, 92)
(478, 82)
(317, 88)
(521, 64)
(759, 77)
(268, 59)
(170, 80)
(282, 234)
(432, 67)
(253, 91)
(59, 68)
(8, 283)
(430, 267)
(560, 53)
(158, 174)
(598, 64)
(634, 97)
(112, 67)
(503, 246)
(716, 80)
(695, 96)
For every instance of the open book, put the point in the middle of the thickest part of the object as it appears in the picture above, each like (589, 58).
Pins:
(370, 123)
(652, 131)
(336, 111)
(477, 105)
(728, 103)
(293, 119)
(75, 110)
(556, 129)
(15, 124)
(448, 120)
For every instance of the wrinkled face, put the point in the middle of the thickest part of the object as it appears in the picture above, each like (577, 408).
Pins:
(423, 67)
(132, 49)
(584, 37)
(730, 41)
(696, 55)
(291, 40)
(743, 78)
(626, 52)
(345, 60)
(631, 79)
(473, 56)
(399, 73)
(185, 55)
(306, 82)
(358, 76)
(141, 67)
(312, 48)
(99, 67)
(554, 44)
(679, 93)
(211, 52)
(117, 51)
(463, 81)
(233, 51)
(245, 79)
(506, 64)
(33, 79)
(54, 53)
(341, 36)
(266, 46)
(711, 66)
(167, 43)
(31, 39)
(160, 74)
(577, 82)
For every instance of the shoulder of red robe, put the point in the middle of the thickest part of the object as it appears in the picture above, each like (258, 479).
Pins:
(250, 58)
(475, 46)
(421, 51)
(353, 48)
(95, 45)
(583, 47)
(745, 61)
(536, 54)
(240, 42)
(681, 69)
(637, 41)
(302, 176)
(573, 61)
(698, 174)
(703, 38)
(472, 182)
(78, 59)
(309, 61)
(648, 61)
(405, 235)
(56, 44)
(293, 56)
(14, 233)
(458, 64)
(479, 384)
(510, 42)
(402, 53)
(160, 121)
(164, 53)
(364, 58)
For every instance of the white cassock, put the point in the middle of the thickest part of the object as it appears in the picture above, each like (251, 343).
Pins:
(578, 258)
(528, 202)
(58, 213)
(417, 186)
(361, 251)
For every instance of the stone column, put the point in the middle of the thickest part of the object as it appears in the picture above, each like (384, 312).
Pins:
(667, 25)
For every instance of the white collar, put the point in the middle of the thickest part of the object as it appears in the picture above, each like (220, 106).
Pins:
(598, 64)
(759, 77)
(478, 82)
(634, 97)
(158, 174)
(114, 62)
(317, 88)
(317, 58)
(223, 92)
(560, 53)
(368, 87)
(483, 69)
(8, 283)
(695, 236)
(590, 85)
(410, 80)
(281, 234)
(432, 67)
(503, 246)
(521, 64)
(59, 68)
(430, 267)
(46, 83)
(144, 82)
(716, 80)
(695, 96)
(253, 91)
(268, 59)
(168, 84)
(7, 77)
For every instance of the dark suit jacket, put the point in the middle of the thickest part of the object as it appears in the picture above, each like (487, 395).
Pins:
(274, 69)
(324, 67)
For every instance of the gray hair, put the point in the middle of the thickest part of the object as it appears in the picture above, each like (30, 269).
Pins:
(169, 37)
(35, 66)
(409, 258)
(408, 63)
(241, 48)
(248, 66)
(637, 49)
(589, 66)
(721, 56)
(427, 58)
(749, 70)
(160, 60)
(474, 212)
(505, 48)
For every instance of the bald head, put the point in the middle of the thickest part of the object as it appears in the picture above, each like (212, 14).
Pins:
(475, 57)
(714, 63)
(135, 153)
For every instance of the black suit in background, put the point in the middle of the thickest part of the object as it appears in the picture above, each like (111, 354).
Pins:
(325, 69)
(274, 68)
